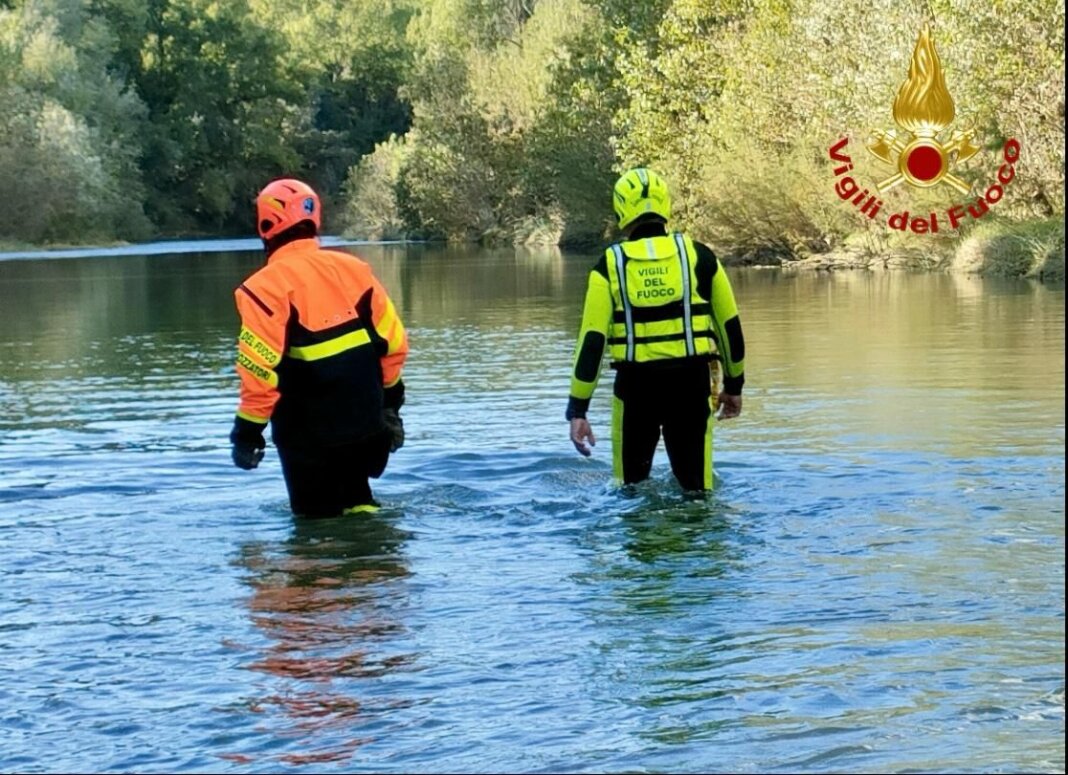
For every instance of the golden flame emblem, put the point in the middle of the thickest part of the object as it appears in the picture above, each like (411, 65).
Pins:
(923, 105)
(923, 108)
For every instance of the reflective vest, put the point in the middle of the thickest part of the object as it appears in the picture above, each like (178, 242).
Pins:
(657, 313)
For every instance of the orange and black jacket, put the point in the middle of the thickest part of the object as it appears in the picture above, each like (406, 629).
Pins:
(321, 348)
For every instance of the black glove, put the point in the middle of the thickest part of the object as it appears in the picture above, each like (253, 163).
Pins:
(393, 396)
(248, 443)
(395, 426)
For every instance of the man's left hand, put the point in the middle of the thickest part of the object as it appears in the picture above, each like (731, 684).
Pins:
(729, 406)
(395, 426)
(248, 443)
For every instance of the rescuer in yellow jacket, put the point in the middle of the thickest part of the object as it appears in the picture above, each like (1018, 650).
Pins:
(664, 307)
(320, 355)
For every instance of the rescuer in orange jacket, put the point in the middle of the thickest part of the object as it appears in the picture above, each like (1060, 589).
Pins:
(320, 355)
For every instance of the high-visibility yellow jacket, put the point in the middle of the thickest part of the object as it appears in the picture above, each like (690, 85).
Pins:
(321, 347)
(656, 300)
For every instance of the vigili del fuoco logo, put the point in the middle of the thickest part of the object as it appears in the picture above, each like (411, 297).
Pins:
(923, 110)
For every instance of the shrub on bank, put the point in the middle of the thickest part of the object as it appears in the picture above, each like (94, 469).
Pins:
(1032, 249)
(371, 210)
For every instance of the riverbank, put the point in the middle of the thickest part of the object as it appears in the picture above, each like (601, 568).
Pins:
(1032, 250)
(162, 247)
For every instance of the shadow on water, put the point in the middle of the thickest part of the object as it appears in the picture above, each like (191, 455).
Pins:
(693, 530)
(662, 551)
(326, 600)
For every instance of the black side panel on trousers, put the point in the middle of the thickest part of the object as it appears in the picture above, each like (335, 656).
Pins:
(675, 400)
(641, 424)
(326, 481)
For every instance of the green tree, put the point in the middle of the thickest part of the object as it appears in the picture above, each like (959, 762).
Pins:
(353, 59)
(490, 153)
(574, 147)
(222, 109)
(738, 103)
(69, 133)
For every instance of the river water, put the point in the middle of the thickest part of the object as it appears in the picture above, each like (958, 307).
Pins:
(877, 584)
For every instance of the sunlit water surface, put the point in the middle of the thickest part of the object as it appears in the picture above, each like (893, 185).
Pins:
(877, 584)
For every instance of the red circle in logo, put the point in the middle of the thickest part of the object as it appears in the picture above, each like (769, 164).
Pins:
(924, 163)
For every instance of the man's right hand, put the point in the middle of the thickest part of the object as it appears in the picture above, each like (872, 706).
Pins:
(580, 432)
(246, 456)
(248, 443)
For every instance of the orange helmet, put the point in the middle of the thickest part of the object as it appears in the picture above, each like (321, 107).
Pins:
(284, 203)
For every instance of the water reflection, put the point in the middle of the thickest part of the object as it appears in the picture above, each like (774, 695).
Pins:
(456, 285)
(680, 553)
(877, 586)
(659, 526)
(678, 565)
(79, 312)
(328, 600)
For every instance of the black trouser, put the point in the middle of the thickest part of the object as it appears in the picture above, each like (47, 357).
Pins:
(675, 399)
(326, 481)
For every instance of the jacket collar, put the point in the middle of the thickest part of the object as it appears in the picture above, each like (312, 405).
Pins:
(293, 248)
(646, 230)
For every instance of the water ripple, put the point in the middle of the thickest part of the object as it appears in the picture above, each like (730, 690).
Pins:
(876, 584)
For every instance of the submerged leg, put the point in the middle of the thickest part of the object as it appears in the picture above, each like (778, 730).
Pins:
(330, 481)
(635, 430)
(688, 433)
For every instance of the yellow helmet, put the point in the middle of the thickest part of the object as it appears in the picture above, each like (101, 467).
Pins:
(640, 191)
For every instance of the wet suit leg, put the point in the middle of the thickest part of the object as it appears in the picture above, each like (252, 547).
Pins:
(635, 426)
(324, 482)
(688, 425)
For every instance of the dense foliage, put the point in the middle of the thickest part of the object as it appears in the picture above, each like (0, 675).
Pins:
(497, 120)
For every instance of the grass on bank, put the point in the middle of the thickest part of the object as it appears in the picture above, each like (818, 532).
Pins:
(1033, 249)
